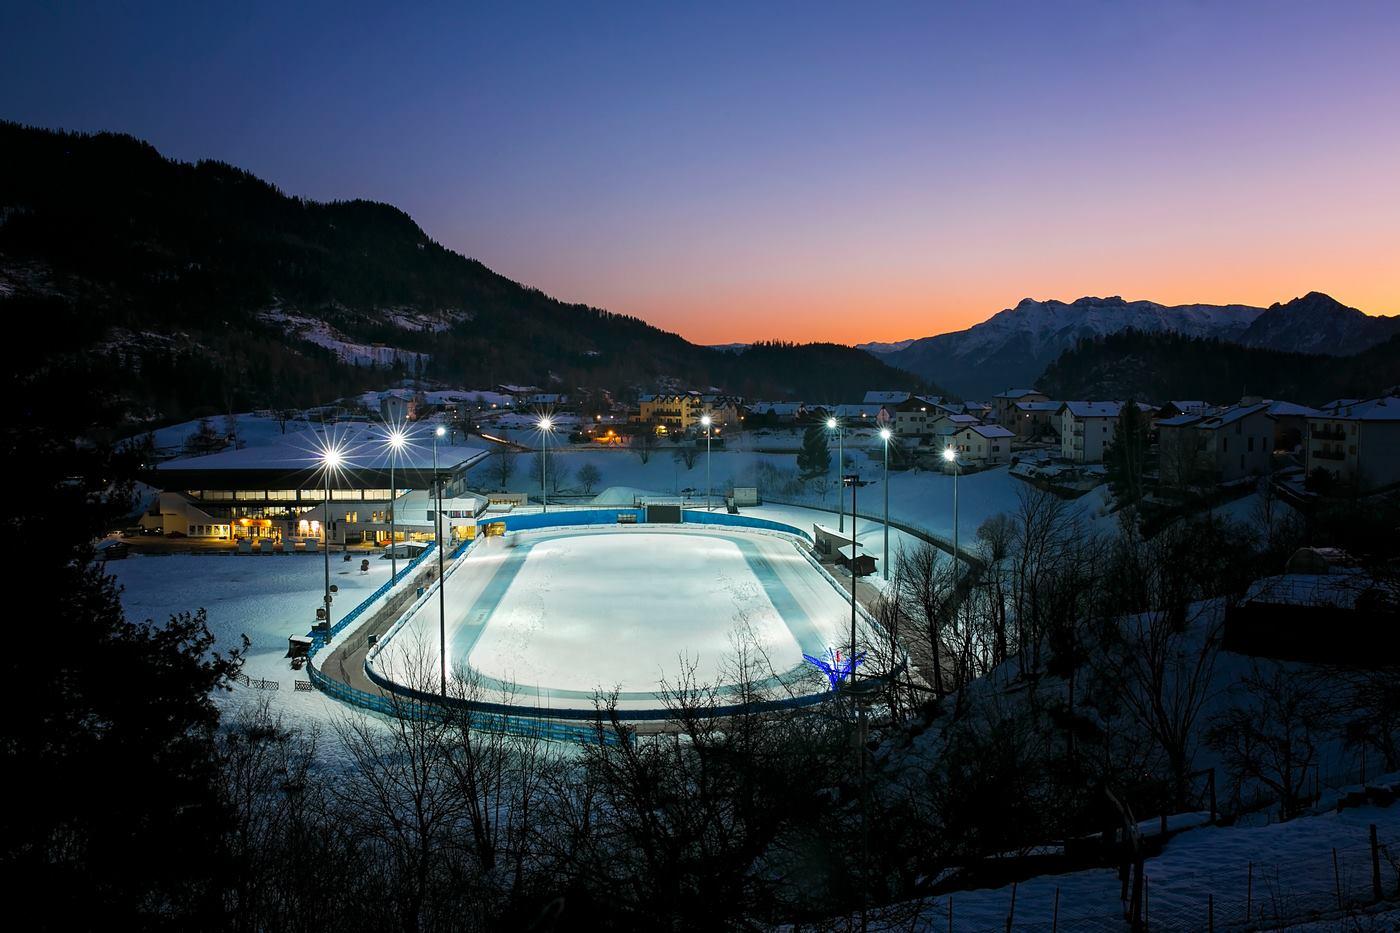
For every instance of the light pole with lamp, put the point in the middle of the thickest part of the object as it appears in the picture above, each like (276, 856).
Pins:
(330, 460)
(833, 425)
(853, 480)
(706, 421)
(442, 584)
(884, 564)
(546, 425)
(950, 454)
(396, 442)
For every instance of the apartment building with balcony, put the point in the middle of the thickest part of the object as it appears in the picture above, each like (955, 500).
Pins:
(1356, 441)
(1086, 429)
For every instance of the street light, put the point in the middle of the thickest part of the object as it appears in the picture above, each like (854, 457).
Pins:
(331, 459)
(833, 425)
(853, 480)
(546, 425)
(950, 454)
(397, 440)
(442, 584)
(706, 420)
(885, 564)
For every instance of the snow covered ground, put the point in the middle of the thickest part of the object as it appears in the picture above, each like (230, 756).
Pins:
(563, 614)
(265, 597)
(921, 499)
(1291, 865)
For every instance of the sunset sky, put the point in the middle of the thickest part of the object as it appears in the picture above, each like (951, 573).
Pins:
(842, 172)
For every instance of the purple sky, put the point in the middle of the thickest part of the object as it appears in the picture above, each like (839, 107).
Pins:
(849, 172)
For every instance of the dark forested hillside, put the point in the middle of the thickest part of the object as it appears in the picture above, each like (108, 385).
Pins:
(186, 275)
(1133, 364)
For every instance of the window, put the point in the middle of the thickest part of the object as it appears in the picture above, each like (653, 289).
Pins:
(1251, 445)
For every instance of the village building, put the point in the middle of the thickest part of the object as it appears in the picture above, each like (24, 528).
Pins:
(277, 494)
(1357, 442)
(1035, 419)
(1004, 403)
(983, 444)
(1086, 429)
(1230, 445)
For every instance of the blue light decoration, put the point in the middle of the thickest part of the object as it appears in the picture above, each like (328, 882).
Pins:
(834, 666)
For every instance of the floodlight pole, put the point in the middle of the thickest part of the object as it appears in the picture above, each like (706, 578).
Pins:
(544, 470)
(957, 471)
(885, 563)
(393, 491)
(442, 593)
(853, 480)
(709, 487)
(326, 534)
(840, 430)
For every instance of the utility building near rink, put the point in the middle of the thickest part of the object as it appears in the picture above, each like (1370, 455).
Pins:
(277, 494)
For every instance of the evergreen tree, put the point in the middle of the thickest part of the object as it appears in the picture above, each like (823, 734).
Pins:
(814, 459)
(109, 752)
(1126, 456)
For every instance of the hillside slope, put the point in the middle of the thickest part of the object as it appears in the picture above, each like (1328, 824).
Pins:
(198, 286)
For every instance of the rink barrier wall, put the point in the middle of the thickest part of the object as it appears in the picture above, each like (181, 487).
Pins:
(533, 727)
(599, 518)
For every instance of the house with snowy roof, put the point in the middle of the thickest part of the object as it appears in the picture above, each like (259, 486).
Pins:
(1086, 429)
(1031, 419)
(947, 424)
(886, 397)
(1357, 442)
(982, 444)
(1004, 403)
(1222, 447)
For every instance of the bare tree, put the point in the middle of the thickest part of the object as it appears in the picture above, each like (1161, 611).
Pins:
(588, 477)
(503, 466)
(644, 443)
(1272, 734)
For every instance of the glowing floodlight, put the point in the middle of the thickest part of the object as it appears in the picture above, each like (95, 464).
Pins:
(949, 454)
(884, 434)
(440, 431)
(397, 439)
(706, 420)
(831, 423)
(546, 424)
(332, 458)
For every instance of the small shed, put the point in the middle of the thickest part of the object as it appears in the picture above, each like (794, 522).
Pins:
(298, 646)
(863, 563)
(826, 540)
(745, 496)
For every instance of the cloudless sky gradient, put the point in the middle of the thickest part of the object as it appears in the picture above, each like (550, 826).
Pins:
(851, 172)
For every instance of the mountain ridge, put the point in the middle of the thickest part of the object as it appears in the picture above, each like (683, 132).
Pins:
(1015, 345)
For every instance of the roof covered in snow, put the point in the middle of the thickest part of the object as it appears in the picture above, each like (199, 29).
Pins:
(886, 397)
(1372, 409)
(990, 431)
(363, 450)
(1013, 394)
(1093, 409)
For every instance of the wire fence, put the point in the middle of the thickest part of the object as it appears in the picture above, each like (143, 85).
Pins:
(1325, 884)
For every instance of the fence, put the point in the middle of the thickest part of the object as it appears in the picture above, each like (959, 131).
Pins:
(1326, 884)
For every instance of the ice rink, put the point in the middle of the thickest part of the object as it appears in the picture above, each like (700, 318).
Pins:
(560, 614)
